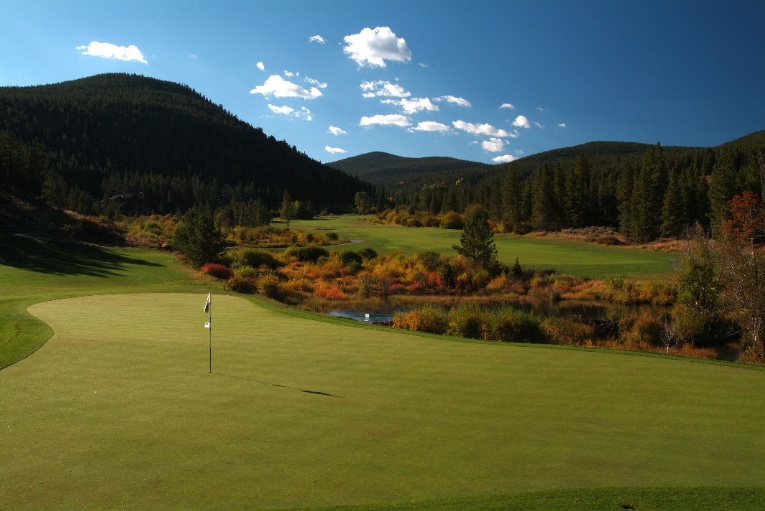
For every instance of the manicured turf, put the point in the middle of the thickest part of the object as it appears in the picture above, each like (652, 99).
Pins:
(565, 256)
(118, 410)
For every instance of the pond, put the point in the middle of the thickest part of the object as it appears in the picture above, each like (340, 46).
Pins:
(565, 309)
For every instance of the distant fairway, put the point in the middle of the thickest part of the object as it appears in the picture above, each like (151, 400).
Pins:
(565, 256)
(118, 411)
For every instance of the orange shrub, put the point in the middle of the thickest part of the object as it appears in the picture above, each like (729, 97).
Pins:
(328, 292)
(219, 271)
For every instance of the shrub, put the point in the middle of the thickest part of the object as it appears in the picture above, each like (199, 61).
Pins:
(270, 285)
(254, 258)
(350, 257)
(566, 331)
(306, 254)
(328, 292)
(242, 285)
(468, 320)
(368, 253)
(452, 220)
(245, 272)
(429, 260)
(446, 275)
(513, 325)
(427, 318)
(219, 271)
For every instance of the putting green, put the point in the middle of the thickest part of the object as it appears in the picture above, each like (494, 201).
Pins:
(118, 410)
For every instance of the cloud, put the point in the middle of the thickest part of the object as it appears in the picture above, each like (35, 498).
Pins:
(337, 131)
(316, 83)
(386, 120)
(279, 87)
(493, 145)
(384, 89)
(303, 114)
(481, 129)
(373, 47)
(432, 126)
(334, 150)
(193, 56)
(455, 100)
(112, 51)
(412, 106)
(261, 66)
(521, 122)
(316, 39)
(505, 158)
(562, 125)
(538, 125)
(509, 106)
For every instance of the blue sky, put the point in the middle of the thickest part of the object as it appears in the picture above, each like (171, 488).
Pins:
(485, 81)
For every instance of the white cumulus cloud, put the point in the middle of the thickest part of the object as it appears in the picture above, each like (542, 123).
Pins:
(412, 106)
(373, 47)
(481, 129)
(316, 39)
(261, 66)
(278, 87)
(493, 145)
(386, 120)
(562, 125)
(508, 106)
(315, 82)
(383, 89)
(505, 158)
(303, 114)
(521, 122)
(455, 100)
(112, 51)
(337, 131)
(432, 126)
(334, 150)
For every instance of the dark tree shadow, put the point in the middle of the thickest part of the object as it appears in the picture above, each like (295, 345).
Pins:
(63, 257)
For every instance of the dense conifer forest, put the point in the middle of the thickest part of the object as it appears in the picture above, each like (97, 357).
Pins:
(82, 142)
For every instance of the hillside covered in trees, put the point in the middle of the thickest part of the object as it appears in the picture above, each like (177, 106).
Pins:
(81, 142)
(645, 191)
(393, 172)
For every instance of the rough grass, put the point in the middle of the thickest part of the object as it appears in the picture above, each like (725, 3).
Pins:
(563, 255)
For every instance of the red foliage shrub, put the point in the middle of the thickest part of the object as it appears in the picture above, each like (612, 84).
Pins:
(219, 271)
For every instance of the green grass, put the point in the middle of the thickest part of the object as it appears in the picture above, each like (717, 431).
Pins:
(565, 256)
(118, 411)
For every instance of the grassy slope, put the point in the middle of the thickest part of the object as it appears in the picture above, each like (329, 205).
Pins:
(118, 409)
(565, 256)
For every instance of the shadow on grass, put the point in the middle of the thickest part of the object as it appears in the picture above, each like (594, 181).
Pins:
(278, 385)
(62, 257)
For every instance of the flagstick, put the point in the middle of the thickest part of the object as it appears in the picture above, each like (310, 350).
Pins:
(210, 311)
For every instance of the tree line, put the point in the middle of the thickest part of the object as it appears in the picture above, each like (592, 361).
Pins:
(657, 193)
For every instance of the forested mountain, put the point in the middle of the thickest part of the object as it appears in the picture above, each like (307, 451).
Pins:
(127, 134)
(387, 169)
(645, 191)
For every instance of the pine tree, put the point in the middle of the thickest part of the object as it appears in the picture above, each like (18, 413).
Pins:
(197, 238)
(511, 200)
(477, 240)
(722, 188)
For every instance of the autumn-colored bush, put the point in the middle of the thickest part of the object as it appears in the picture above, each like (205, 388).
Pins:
(328, 292)
(513, 325)
(469, 320)
(217, 270)
(559, 330)
(253, 257)
(242, 285)
(452, 220)
(427, 318)
(306, 254)
(270, 285)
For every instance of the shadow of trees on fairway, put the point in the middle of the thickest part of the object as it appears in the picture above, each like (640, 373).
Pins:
(62, 257)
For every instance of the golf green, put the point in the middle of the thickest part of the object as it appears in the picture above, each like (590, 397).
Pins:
(119, 411)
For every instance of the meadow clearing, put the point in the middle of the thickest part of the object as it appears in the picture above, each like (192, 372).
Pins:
(118, 408)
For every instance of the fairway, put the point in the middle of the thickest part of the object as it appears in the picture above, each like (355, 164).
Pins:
(565, 256)
(118, 411)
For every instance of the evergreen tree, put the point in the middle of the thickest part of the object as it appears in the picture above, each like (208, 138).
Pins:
(545, 208)
(511, 201)
(722, 188)
(673, 212)
(477, 239)
(197, 238)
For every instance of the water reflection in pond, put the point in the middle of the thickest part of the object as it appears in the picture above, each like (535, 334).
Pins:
(584, 310)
